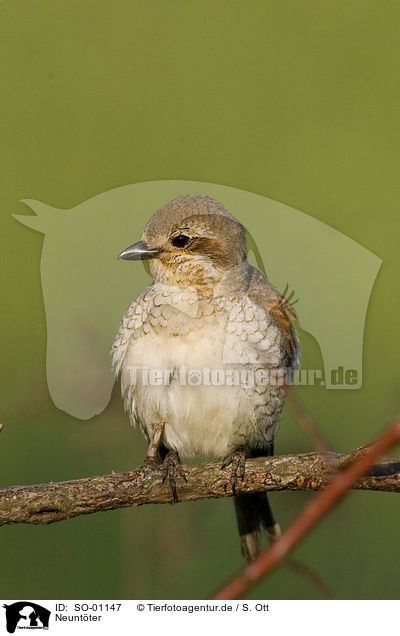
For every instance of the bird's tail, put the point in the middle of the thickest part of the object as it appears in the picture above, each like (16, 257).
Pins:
(253, 514)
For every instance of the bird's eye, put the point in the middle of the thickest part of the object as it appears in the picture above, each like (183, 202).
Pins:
(180, 241)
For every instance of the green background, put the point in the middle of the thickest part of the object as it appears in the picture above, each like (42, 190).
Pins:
(294, 100)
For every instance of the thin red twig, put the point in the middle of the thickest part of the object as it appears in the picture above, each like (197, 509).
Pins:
(306, 421)
(312, 514)
(309, 574)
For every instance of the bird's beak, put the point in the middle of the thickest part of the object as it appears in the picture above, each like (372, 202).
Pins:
(139, 251)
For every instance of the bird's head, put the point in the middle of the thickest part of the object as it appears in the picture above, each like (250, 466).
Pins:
(192, 240)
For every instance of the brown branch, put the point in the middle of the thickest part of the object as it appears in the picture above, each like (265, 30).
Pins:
(47, 503)
(312, 514)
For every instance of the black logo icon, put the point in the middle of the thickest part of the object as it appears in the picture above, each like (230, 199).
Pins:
(26, 615)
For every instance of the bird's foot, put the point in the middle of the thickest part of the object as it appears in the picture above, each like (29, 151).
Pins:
(237, 460)
(154, 456)
(172, 468)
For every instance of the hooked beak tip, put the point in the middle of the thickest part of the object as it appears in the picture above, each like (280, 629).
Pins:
(139, 251)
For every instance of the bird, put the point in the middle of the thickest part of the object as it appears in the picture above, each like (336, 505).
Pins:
(207, 351)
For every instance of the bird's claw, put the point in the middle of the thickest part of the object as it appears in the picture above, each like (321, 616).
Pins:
(172, 469)
(237, 460)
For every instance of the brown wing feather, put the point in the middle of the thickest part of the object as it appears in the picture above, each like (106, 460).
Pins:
(266, 295)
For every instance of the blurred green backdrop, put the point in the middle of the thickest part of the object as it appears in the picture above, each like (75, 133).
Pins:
(296, 100)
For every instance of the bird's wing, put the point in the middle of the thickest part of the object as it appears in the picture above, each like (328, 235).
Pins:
(272, 301)
(131, 324)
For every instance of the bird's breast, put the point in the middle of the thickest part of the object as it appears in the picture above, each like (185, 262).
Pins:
(175, 371)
